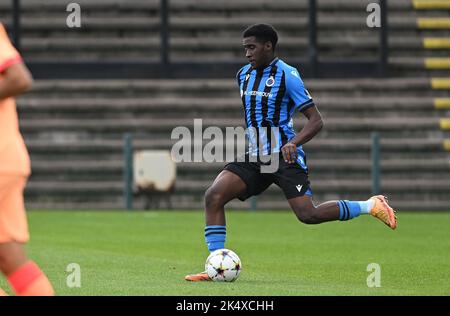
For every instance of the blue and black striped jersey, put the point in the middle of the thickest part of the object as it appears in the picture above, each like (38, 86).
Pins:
(270, 97)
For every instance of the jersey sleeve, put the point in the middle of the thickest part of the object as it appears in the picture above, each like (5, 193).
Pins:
(297, 91)
(8, 54)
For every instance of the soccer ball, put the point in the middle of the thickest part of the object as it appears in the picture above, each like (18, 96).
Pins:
(223, 265)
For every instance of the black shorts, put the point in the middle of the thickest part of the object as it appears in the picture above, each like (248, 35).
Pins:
(291, 178)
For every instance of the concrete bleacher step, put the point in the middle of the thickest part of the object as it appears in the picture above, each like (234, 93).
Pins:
(183, 104)
(182, 107)
(330, 144)
(285, 23)
(209, 47)
(161, 125)
(199, 88)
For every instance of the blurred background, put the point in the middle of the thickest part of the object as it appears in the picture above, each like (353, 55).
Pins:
(136, 69)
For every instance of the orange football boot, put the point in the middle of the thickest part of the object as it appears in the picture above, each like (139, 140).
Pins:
(383, 211)
(202, 276)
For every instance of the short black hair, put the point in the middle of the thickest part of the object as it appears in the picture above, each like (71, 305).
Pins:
(263, 33)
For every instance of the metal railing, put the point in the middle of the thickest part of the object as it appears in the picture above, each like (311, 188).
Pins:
(375, 158)
(165, 68)
(164, 33)
(128, 171)
(16, 24)
(313, 49)
(384, 33)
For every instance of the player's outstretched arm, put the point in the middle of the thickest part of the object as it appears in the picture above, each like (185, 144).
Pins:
(15, 80)
(311, 128)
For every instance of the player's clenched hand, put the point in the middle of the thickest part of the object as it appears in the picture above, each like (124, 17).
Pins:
(289, 152)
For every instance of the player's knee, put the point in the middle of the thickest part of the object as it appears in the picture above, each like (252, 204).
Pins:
(11, 258)
(4, 260)
(306, 215)
(305, 218)
(213, 199)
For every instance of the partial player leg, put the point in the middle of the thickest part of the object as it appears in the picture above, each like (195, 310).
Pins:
(12, 256)
(342, 210)
(226, 187)
(307, 213)
(24, 275)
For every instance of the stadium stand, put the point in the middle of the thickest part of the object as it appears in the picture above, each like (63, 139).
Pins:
(74, 128)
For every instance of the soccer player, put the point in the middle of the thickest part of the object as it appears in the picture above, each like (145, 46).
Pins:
(24, 276)
(271, 92)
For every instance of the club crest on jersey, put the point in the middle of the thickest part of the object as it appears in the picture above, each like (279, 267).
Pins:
(270, 81)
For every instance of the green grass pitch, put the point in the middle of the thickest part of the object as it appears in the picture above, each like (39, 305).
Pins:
(149, 253)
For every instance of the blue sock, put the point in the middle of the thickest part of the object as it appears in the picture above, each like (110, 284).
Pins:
(348, 209)
(215, 237)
